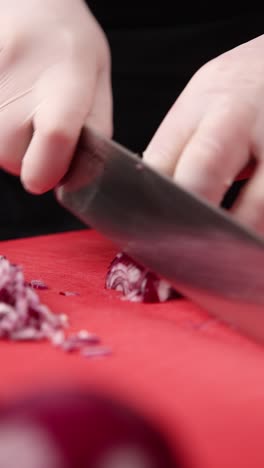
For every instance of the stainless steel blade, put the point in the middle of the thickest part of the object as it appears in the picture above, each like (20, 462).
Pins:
(198, 248)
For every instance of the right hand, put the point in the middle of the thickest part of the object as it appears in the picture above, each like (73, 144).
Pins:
(54, 78)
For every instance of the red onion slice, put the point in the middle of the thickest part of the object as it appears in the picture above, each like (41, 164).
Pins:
(136, 283)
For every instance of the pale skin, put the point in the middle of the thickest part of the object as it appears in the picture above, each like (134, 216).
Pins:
(54, 77)
(55, 69)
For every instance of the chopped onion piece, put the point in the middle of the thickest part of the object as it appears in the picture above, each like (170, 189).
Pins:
(38, 284)
(69, 293)
(24, 318)
(79, 340)
(98, 351)
(21, 312)
(136, 283)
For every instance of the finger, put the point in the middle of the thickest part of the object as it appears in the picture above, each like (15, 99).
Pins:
(100, 116)
(249, 206)
(14, 140)
(216, 153)
(57, 124)
(169, 140)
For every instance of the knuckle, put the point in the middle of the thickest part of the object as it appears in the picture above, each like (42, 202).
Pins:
(220, 64)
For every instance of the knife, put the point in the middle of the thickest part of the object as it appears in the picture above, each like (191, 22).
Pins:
(199, 249)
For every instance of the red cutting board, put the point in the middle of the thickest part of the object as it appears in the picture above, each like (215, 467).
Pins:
(202, 382)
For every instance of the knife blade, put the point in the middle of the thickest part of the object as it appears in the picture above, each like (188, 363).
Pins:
(198, 248)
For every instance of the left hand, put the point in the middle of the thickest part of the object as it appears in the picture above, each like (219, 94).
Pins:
(214, 128)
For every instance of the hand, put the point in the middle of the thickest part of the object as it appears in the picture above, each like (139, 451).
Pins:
(54, 77)
(214, 128)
